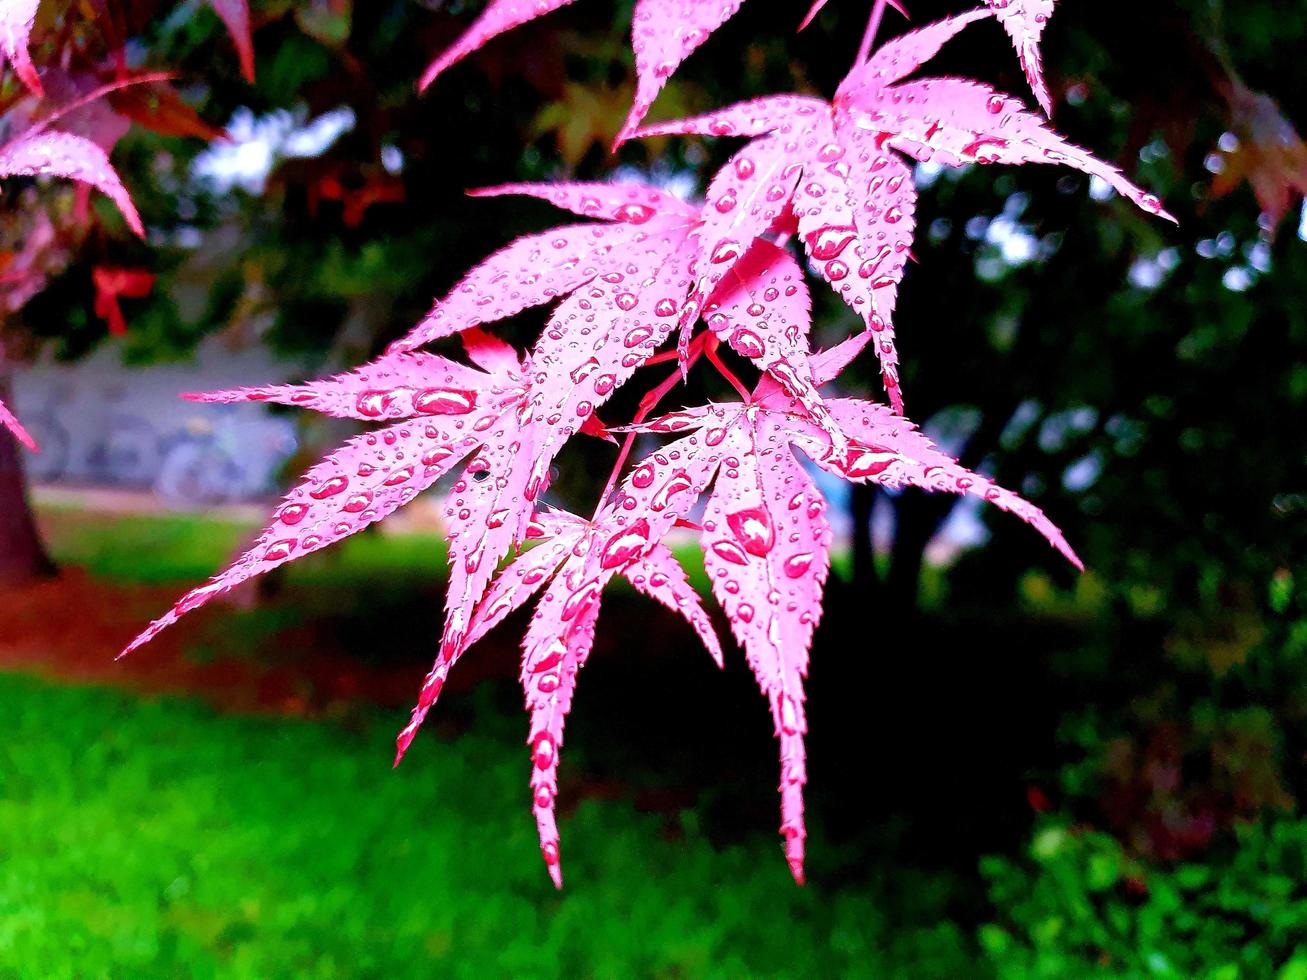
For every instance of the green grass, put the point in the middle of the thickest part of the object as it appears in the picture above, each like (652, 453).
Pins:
(155, 838)
(166, 548)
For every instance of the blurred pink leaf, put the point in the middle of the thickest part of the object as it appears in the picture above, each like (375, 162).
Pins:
(58, 154)
(498, 17)
(235, 15)
(16, 18)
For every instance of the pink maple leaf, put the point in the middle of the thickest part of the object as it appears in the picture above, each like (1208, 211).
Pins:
(765, 538)
(1025, 20)
(616, 308)
(623, 284)
(50, 152)
(766, 545)
(438, 413)
(666, 32)
(573, 561)
(16, 19)
(834, 167)
(663, 34)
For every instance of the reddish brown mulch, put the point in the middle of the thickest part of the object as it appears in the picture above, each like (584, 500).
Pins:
(70, 628)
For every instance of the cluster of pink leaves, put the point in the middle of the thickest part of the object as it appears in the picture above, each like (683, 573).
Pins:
(646, 266)
(666, 32)
(43, 150)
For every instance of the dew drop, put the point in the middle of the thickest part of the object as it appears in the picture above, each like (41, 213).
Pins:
(626, 545)
(748, 343)
(374, 404)
(292, 514)
(729, 551)
(542, 751)
(752, 527)
(279, 550)
(797, 565)
(637, 336)
(634, 214)
(829, 242)
(445, 401)
(329, 488)
(358, 502)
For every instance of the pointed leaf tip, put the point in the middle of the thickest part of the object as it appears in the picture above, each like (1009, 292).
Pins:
(812, 13)
(663, 34)
(8, 421)
(16, 20)
(1024, 21)
(498, 17)
(60, 154)
(402, 742)
(235, 16)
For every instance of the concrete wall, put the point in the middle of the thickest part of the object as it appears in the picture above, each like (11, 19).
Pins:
(101, 423)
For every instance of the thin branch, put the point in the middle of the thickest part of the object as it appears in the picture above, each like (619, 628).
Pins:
(710, 350)
(647, 404)
(873, 26)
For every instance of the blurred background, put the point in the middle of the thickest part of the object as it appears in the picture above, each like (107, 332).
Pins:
(1015, 770)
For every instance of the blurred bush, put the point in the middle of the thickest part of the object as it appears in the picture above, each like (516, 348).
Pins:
(1079, 905)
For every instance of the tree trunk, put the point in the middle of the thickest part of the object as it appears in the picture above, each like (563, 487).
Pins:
(22, 554)
(917, 516)
(866, 581)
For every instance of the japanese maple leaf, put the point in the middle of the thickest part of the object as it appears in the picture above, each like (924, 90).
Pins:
(437, 413)
(573, 561)
(842, 170)
(766, 540)
(624, 282)
(1025, 20)
(663, 34)
(8, 421)
(620, 285)
(59, 154)
(616, 309)
(766, 546)
(16, 19)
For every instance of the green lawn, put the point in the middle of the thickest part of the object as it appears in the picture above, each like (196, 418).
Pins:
(155, 838)
(158, 838)
(169, 547)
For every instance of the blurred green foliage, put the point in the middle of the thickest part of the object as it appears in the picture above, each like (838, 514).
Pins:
(1078, 905)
